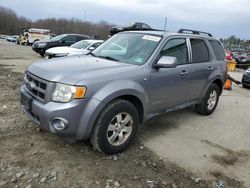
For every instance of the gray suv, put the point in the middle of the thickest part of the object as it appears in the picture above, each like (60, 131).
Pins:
(132, 77)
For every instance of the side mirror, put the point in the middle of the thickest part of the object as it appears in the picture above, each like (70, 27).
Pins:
(62, 41)
(166, 62)
(91, 48)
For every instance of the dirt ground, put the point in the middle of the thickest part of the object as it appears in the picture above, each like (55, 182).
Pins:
(181, 149)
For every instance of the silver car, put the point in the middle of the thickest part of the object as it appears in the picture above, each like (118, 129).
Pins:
(79, 48)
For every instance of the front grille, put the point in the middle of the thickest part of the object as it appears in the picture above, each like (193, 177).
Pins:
(38, 83)
(36, 86)
(36, 117)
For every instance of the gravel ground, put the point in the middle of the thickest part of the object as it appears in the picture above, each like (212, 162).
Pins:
(30, 157)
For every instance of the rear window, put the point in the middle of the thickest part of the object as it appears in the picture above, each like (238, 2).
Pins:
(200, 51)
(218, 49)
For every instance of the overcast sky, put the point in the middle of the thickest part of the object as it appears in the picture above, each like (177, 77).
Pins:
(220, 17)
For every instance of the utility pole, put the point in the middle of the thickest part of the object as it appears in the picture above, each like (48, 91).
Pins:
(165, 23)
(84, 15)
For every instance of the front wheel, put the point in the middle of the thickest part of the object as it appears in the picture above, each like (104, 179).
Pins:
(209, 101)
(115, 127)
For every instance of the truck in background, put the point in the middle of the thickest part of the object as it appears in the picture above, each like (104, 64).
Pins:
(30, 35)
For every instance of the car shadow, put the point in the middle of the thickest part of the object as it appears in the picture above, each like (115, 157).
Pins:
(160, 125)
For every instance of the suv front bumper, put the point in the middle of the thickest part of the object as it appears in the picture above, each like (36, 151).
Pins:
(80, 115)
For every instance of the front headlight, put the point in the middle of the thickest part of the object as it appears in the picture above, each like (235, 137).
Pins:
(248, 71)
(41, 45)
(65, 93)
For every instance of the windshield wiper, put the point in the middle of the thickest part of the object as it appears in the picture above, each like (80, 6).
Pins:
(108, 58)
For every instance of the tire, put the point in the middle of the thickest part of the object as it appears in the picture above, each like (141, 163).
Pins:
(245, 86)
(209, 101)
(42, 53)
(108, 126)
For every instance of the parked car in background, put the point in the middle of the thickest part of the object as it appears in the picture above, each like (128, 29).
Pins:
(12, 38)
(236, 56)
(79, 48)
(242, 56)
(2, 36)
(60, 40)
(246, 60)
(5, 37)
(131, 27)
(246, 79)
(129, 79)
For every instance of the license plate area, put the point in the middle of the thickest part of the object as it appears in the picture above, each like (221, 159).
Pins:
(26, 101)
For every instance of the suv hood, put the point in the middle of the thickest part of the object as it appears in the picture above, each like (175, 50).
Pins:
(70, 70)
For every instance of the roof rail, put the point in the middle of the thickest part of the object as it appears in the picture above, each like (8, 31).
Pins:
(190, 31)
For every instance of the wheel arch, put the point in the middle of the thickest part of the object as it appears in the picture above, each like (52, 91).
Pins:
(135, 95)
(136, 102)
(219, 83)
(98, 107)
(216, 80)
(127, 90)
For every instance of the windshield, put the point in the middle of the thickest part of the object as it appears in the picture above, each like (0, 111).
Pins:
(132, 48)
(59, 37)
(81, 44)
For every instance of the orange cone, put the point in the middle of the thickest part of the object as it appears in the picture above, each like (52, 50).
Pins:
(228, 85)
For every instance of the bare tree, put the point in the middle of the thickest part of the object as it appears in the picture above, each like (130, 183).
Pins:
(11, 24)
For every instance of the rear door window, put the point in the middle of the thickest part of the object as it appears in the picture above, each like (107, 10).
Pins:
(78, 38)
(70, 39)
(219, 51)
(200, 51)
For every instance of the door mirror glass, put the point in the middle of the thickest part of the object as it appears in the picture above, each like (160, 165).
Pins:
(62, 41)
(166, 62)
(91, 48)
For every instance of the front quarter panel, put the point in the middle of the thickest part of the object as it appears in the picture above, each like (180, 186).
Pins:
(119, 88)
(105, 95)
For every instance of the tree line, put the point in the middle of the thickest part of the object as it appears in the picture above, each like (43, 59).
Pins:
(236, 43)
(11, 23)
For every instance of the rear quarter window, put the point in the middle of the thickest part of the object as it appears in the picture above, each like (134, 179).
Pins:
(200, 51)
(70, 38)
(78, 38)
(219, 51)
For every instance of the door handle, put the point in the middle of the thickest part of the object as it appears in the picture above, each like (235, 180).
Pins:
(183, 73)
(210, 68)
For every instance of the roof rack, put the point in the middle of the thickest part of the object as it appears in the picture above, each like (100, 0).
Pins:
(190, 31)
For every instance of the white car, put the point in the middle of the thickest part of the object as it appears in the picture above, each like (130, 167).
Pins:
(79, 48)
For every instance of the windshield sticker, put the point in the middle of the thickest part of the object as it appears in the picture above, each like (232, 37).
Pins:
(152, 38)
